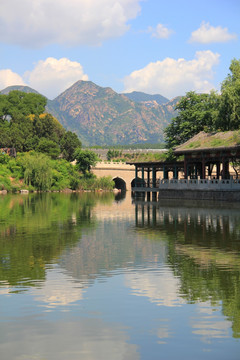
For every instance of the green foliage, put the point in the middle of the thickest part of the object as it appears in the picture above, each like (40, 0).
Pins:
(207, 112)
(196, 112)
(85, 159)
(112, 153)
(25, 127)
(4, 158)
(48, 147)
(69, 143)
(229, 109)
(18, 102)
(37, 171)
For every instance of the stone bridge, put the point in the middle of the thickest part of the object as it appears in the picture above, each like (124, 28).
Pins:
(121, 173)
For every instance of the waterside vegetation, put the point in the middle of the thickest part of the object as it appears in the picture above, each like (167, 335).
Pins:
(44, 149)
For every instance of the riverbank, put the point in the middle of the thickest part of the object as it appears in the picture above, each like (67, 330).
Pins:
(37, 172)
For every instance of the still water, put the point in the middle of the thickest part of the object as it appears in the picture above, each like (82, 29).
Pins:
(86, 276)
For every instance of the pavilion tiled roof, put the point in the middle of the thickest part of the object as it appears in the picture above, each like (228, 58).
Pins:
(210, 141)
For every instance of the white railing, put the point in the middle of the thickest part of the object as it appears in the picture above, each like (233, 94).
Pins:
(200, 184)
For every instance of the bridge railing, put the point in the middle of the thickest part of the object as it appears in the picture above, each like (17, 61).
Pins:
(200, 184)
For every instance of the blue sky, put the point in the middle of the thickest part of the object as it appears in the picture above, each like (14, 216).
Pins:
(155, 46)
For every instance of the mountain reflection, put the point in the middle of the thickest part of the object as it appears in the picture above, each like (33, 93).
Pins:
(62, 247)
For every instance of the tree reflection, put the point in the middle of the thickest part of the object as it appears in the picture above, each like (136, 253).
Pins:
(203, 250)
(35, 229)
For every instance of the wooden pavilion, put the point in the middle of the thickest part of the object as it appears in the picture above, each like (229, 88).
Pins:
(206, 168)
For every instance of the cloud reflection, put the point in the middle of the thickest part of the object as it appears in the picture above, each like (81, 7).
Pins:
(58, 290)
(161, 287)
(85, 339)
(210, 325)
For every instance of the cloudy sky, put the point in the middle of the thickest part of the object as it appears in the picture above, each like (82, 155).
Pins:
(154, 46)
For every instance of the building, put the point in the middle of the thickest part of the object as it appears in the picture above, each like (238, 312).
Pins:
(206, 168)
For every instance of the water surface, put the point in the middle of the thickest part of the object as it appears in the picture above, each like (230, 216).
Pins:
(86, 276)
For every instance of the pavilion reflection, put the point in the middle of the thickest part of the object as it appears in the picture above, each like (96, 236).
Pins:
(199, 222)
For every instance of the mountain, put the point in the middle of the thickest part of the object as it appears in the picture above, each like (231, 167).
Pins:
(23, 88)
(142, 97)
(100, 116)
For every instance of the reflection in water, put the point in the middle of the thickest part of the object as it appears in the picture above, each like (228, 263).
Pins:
(88, 276)
(66, 339)
(203, 251)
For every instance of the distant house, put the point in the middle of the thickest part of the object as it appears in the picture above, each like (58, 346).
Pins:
(9, 151)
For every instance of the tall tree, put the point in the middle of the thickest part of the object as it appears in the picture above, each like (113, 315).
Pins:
(229, 108)
(85, 159)
(68, 144)
(196, 112)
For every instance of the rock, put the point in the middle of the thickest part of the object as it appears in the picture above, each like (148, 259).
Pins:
(24, 191)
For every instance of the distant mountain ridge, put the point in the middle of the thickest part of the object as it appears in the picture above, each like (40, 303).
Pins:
(23, 88)
(139, 96)
(100, 116)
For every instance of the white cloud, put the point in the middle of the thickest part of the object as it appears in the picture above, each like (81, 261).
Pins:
(161, 32)
(172, 77)
(207, 34)
(73, 22)
(50, 77)
(9, 78)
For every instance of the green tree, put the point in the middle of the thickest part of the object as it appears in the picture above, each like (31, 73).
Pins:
(49, 127)
(196, 112)
(18, 102)
(229, 107)
(68, 144)
(85, 159)
(37, 171)
(48, 147)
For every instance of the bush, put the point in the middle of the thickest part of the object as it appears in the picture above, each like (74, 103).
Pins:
(37, 171)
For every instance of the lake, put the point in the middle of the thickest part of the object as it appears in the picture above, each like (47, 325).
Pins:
(90, 276)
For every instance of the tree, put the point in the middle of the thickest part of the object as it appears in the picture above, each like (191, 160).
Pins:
(46, 125)
(37, 171)
(18, 102)
(85, 159)
(196, 112)
(229, 108)
(49, 147)
(68, 144)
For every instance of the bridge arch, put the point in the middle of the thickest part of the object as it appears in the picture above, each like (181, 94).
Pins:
(120, 183)
(138, 182)
(117, 171)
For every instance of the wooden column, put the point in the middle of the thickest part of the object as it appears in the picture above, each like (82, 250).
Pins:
(218, 170)
(142, 176)
(203, 169)
(153, 177)
(185, 168)
(136, 174)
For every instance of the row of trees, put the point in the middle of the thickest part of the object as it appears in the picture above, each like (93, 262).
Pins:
(208, 112)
